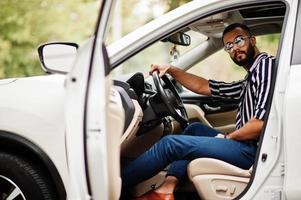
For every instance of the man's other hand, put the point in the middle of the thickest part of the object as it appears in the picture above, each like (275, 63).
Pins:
(220, 135)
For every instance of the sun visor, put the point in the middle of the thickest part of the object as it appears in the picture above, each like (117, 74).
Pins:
(215, 24)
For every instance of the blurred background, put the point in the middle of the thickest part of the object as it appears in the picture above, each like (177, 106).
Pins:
(26, 24)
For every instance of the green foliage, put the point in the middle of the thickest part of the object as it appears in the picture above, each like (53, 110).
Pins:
(176, 3)
(268, 43)
(26, 24)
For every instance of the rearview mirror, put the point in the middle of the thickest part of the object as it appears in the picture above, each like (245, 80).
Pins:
(57, 57)
(178, 38)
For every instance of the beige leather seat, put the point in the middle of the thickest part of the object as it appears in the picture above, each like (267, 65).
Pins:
(217, 180)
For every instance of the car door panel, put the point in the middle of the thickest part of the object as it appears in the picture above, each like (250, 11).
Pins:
(225, 121)
(221, 119)
(218, 113)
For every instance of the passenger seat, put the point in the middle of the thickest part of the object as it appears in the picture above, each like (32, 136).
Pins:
(217, 180)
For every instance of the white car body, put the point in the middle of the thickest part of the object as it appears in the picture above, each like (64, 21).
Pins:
(53, 111)
(36, 114)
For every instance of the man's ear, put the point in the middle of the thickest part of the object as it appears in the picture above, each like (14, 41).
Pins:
(253, 40)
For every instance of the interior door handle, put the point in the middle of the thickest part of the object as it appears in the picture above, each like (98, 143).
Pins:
(207, 107)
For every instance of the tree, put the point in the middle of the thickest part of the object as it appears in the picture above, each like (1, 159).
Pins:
(172, 4)
(26, 24)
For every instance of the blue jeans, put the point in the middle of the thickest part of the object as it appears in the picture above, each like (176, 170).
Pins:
(197, 141)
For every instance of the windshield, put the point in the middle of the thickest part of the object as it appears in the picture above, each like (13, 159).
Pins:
(130, 15)
(159, 52)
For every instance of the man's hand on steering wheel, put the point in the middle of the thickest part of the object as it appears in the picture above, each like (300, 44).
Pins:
(169, 96)
(161, 68)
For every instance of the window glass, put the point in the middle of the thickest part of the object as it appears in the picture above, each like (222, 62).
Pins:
(297, 44)
(159, 52)
(196, 39)
(220, 66)
(129, 15)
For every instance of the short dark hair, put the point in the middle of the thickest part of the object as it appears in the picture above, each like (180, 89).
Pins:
(236, 25)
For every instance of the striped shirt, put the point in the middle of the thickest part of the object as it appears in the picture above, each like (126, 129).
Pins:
(251, 92)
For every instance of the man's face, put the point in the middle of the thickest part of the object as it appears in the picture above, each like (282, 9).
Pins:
(243, 49)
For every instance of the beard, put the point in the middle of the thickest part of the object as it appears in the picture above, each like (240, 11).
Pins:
(249, 57)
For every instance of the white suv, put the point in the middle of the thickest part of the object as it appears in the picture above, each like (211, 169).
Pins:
(68, 135)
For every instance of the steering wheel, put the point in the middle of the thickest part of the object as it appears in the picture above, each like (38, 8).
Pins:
(172, 102)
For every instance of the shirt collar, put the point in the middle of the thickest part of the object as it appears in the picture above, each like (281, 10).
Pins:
(257, 60)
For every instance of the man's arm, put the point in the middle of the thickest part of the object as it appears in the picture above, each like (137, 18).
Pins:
(251, 130)
(194, 83)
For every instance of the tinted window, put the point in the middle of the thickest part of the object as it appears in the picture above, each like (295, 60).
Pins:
(297, 44)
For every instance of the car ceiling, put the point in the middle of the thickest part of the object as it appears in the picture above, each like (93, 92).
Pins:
(264, 19)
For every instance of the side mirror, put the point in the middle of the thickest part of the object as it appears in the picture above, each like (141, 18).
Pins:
(178, 38)
(57, 57)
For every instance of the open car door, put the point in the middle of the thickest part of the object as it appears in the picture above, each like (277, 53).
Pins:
(91, 105)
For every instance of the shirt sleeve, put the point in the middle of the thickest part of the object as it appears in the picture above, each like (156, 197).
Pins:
(224, 90)
(263, 79)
